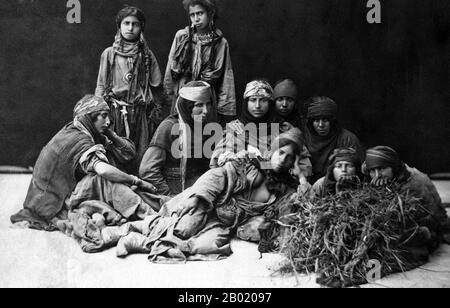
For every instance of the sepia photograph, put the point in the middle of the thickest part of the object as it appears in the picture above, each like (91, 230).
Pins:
(235, 146)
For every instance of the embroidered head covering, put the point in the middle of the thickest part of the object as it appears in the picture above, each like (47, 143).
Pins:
(85, 107)
(258, 88)
(261, 89)
(89, 104)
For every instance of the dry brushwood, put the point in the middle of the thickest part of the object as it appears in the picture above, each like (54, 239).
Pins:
(336, 236)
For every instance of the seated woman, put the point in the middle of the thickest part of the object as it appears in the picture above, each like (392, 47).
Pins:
(323, 134)
(384, 167)
(343, 172)
(287, 105)
(195, 104)
(252, 131)
(201, 220)
(78, 157)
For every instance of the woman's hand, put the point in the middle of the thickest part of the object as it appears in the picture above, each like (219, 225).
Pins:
(295, 170)
(235, 127)
(145, 186)
(190, 207)
(379, 182)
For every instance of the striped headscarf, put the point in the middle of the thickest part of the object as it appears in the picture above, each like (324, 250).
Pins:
(89, 104)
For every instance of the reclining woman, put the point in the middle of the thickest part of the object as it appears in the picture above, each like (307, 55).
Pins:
(344, 172)
(198, 223)
(170, 174)
(254, 130)
(384, 167)
(80, 159)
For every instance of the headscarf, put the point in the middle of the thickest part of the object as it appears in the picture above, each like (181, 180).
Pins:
(188, 96)
(348, 155)
(126, 48)
(322, 107)
(322, 147)
(345, 154)
(262, 89)
(383, 156)
(287, 88)
(139, 54)
(82, 112)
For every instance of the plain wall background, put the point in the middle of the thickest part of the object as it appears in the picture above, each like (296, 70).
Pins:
(391, 81)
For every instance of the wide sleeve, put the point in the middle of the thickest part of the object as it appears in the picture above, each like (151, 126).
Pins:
(169, 82)
(152, 167)
(210, 186)
(92, 157)
(103, 74)
(156, 78)
(222, 77)
(122, 149)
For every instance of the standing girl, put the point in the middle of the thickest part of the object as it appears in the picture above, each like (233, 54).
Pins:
(200, 52)
(128, 73)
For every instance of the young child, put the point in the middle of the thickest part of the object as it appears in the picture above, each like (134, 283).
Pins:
(200, 52)
(128, 73)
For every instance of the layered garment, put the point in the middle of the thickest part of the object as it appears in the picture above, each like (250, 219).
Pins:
(128, 79)
(194, 58)
(419, 185)
(62, 163)
(162, 169)
(224, 195)
(321, 148)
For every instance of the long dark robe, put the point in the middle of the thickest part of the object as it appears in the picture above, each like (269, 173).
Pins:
(321, 148)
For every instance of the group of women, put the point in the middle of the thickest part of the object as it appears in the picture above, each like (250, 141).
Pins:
(124, 173)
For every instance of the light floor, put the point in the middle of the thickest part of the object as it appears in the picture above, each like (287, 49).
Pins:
(40, 259)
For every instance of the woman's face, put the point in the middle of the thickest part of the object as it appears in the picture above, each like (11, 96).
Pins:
(343, 168)
(285, 106)
(201, 111)
(199, 17)
(283, 159)
(130, 28)
(382, 172)
(102, 122)
(322, 127)
(258, 106)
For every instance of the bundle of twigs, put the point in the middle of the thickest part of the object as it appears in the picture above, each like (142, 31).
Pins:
(336, 236)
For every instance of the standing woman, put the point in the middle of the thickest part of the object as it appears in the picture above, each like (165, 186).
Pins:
(201, 52)
(128, 74)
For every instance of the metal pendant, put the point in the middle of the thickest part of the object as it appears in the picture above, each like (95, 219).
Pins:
(128, 77)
